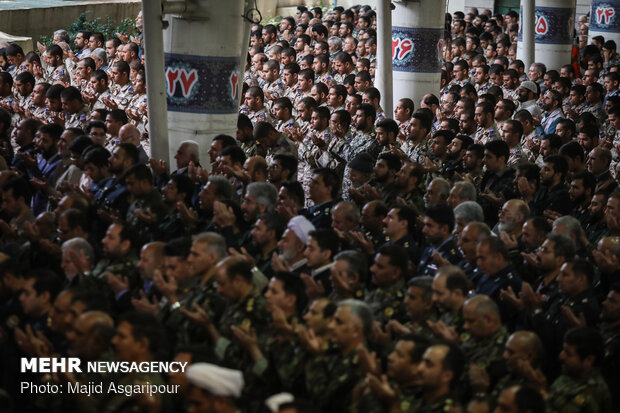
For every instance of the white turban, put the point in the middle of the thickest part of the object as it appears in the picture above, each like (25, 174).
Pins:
(219, 381)
(301, 227)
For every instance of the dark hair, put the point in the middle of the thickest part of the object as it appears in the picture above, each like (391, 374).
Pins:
(295, 191)
(131, 152)
(71, 93)
(92, 299)
(20, 187)
(45, 281)
(54, 50)
(236, 154)
(559, 165)
(496, 246)
(178, 247)
(564, 246)
(398, 257)
(454, 361)
(425, 121)
(119, 115)
(392, 160)
(326, 239)
(498, 148)
(26, 77)
(587, 342)
(285, 103)
(288, 162)
(75, 218)
(441, 214)
(530, 171)
(331, 179)
(292, 284)
(141, 172)
(273, 222)
(95, 124)
(54, 130)
(406, 213)
(14, 49)
(477, 149)
(572, 150)
(239, 267)
(457, 280)
(588, 179)
(97, 155)
(146, 326)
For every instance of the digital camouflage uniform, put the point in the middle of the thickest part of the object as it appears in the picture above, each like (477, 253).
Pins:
(248, 314)
(361, 142)
(587, 395)
(122, 95)
(387, 303)
(333, 157)
(260, 115)
(486, 135)
(445, 404)
(330, 379)
(57, 74)
(78, 119)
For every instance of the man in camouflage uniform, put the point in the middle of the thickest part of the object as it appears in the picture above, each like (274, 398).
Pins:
(119, 257)
(122, 91)
(339, 371)
(274, 87)
(76, 112)
(283, 112)
(581, 387)
(133, 330)
(487, 129)
(333, 156)
(402, 389)
(483, 342)
(437, 387)
(245, 310)
(388, 274)
(56, 70)
(365, 140)
(254, 106)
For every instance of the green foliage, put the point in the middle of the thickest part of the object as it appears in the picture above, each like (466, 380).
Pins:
(99, 24)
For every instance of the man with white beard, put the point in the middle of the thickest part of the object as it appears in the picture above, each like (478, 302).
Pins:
(292, 245)
(511, 218)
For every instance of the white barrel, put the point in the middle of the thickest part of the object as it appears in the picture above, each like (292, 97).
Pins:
(204, 72)
(605, 20)
(417, 32)
(553, 27)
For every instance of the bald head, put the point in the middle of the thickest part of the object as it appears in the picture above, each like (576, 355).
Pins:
(484, 306)
(524, 344)
(129, 133)
(156, 247)
(256, 167)
(91, 319)
(610, 244)
(151, 258)
(91, 334)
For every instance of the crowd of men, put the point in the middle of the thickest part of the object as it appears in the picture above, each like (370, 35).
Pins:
(460, 256)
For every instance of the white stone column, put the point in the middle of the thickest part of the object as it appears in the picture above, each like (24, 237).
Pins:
(605, 20)
(383, 76)
(553, 28)
(525, 45)
(155, 79)
(417, 33)
(204, 72)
